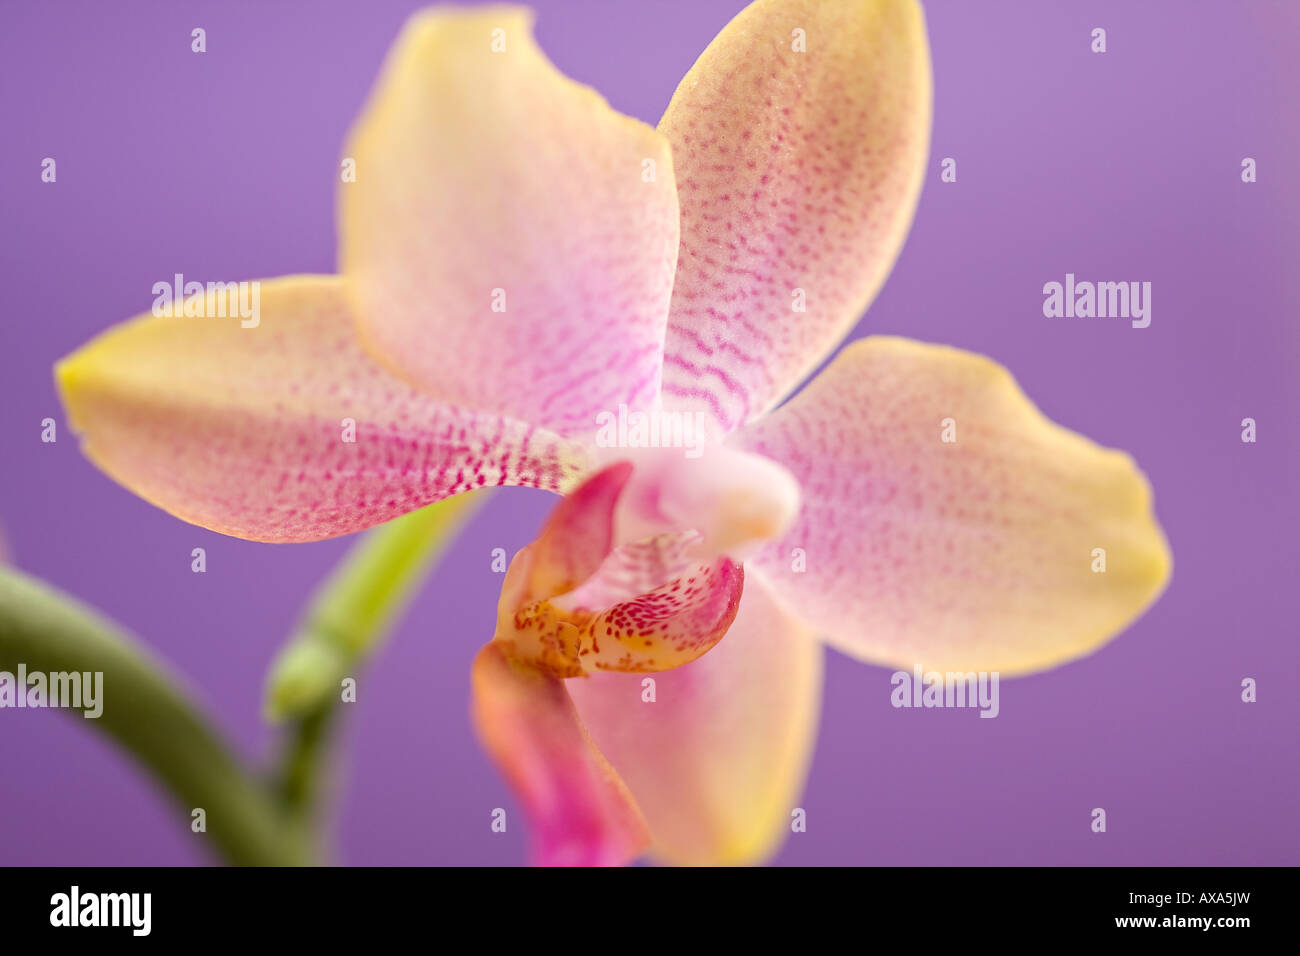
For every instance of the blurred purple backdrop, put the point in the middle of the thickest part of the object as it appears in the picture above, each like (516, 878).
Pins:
(1117, 166)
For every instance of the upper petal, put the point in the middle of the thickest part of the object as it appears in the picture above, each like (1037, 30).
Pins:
(286, 431)
(510, 239)
(717, 755)
(799, 140)
(977, 553)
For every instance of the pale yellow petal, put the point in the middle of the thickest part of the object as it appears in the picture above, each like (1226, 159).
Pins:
(717, 760)
(947, 523)
(279, 427)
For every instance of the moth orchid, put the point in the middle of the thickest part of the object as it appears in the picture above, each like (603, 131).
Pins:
(517, 259)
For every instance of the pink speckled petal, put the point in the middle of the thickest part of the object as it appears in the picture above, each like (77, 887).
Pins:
(244, 430)
(799, 172)
(510, 239)
(717, 759)
(580, 812)
(976, 553)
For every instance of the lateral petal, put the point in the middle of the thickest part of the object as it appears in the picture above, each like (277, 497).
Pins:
(947, 523)
(285, 431)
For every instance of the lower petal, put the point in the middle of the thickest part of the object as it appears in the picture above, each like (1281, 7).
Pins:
(947, 523)
(284, 429)
(717, 754)
(580, 811)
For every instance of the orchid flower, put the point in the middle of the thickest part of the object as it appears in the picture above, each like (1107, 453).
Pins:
(517, 260)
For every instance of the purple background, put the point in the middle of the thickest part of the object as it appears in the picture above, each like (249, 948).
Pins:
(1122, 166)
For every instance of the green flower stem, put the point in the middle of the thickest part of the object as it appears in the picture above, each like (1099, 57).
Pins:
(350, 615)
(144, 711)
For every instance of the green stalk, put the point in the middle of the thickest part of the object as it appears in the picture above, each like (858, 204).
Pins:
(350, 615)
(145, 712)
